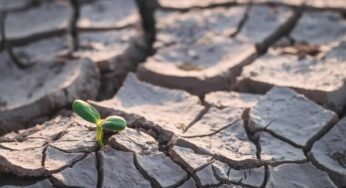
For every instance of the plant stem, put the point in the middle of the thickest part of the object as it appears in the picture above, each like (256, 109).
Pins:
(99, 136)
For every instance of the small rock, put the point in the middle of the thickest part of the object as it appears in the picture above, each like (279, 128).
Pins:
(135, 141)
(206, 177)
(55, 160)
(329, 153)
(300, 120)
(292, 175)
(119, 170)
(161, 170)
(187, 158)
(81, 174)
(223, 99)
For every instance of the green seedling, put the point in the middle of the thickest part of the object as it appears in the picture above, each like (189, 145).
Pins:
(89, 113)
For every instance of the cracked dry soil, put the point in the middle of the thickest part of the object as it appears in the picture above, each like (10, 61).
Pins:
(217, 93)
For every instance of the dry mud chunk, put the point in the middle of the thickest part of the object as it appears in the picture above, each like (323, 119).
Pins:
(291, 116)
(14, 4)
(108, 14)
(204, 66)
(77, 141)
(189, 159)
(188, 27)
(229, 186)
(319, 80)
(56, 160)
(171, 110)
(223, 99)
(39, 184)
(22, 162)
(52, 86)
(284, 2)
(103, 46)
(161, 170)
(25, 144)
(336, 54)
(230, 144)
(330, 153)
(265, 24)
(213, 121)
(119, 170)
(53, 128)
(325, 4)
(135, 141)
(206, 177)
(292, 175)
(82, 174)
(42, 50)
(328, 27)
(49, 17)
(253, 177)
(274, 151)
(97, 46)
(36, 136)
(190, 183)
(9, 137)
(187, 4)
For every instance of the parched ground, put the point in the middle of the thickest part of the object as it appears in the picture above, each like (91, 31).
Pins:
(229, 93)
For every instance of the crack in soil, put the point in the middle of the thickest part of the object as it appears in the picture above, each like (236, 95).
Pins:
(44, 155)
(266, 176)
(99, 167)
(211, 6)
(152, 181)
(242, 21)
(197, 118)
(215, 132)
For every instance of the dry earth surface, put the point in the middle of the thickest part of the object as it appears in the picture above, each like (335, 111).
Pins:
(220, 93)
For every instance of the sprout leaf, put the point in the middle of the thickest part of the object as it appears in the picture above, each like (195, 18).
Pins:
(86, 111)
(115, 123)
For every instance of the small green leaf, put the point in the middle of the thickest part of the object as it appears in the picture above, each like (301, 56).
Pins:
(115, 123)
(86, 111)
